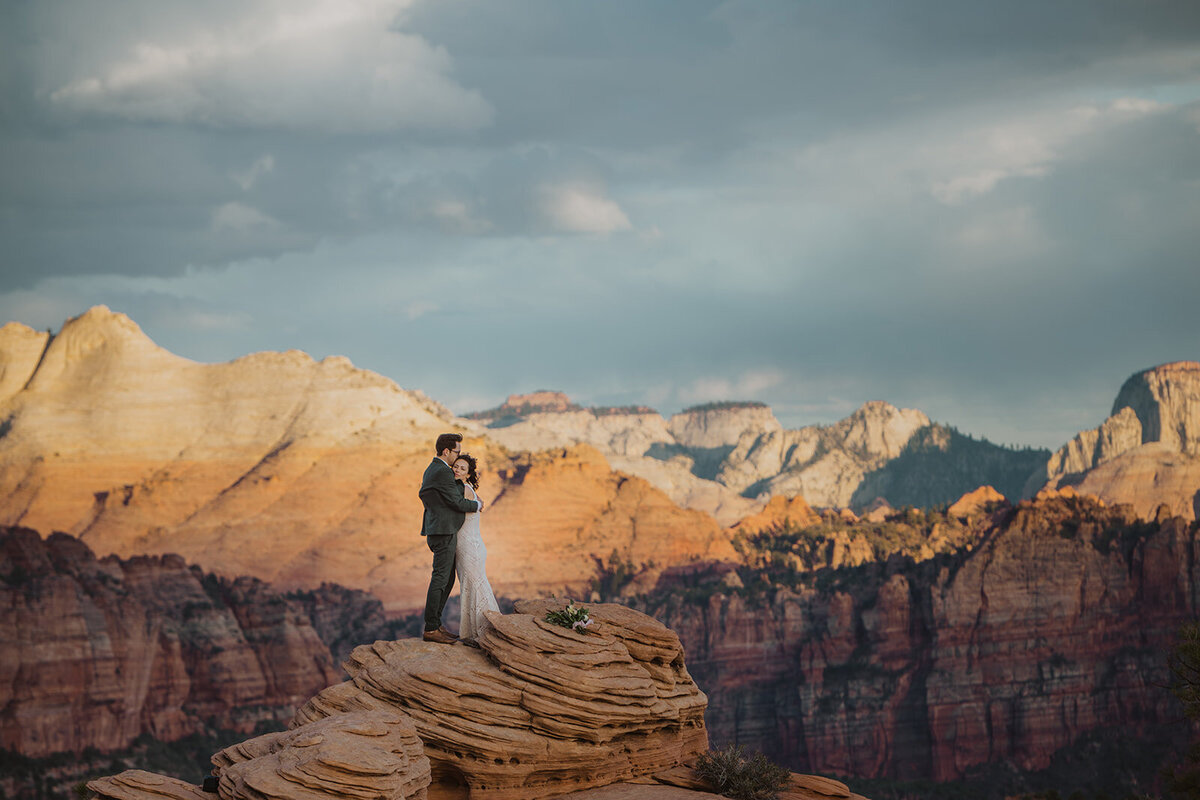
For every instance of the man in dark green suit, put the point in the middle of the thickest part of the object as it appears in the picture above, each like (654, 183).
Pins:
(445, 510)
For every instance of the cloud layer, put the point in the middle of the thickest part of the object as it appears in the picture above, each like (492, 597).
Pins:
(985, 213)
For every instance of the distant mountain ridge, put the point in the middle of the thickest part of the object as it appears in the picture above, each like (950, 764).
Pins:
(299, 471)
(293, 470)
(739, 455)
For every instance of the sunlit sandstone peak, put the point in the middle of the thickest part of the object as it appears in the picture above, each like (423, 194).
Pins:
(1147, 453)
(293, 470)
(21, 347)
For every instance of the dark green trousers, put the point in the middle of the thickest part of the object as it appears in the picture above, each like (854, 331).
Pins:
(442, 580)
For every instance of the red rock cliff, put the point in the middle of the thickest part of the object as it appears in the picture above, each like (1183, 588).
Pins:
(1056, 624)
(95, 652)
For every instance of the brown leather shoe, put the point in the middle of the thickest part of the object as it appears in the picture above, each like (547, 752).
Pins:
(438, 636)
(446, 631)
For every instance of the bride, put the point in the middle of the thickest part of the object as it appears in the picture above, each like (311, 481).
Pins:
(470, 556)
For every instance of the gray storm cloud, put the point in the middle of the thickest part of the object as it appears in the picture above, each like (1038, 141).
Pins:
(984, 212)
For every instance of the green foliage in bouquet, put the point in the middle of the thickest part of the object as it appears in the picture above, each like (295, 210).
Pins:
(734, 775)
(573, 617)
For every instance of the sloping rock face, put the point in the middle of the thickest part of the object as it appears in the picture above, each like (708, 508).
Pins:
(538, 710)
(825, 465)
(583, 508)
(1146, 454)
(95, 653)
(727, 459)
(22, 347)
(138, 784)
(374, 754)
(293, 471)
(1053, 623)
(938, 463)
(363, 754)
(626, 437)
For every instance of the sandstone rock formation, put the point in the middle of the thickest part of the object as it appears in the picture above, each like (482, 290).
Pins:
(975, 502)
(779, 512)
(22, 349)
(96, 653)
(1049, 625)
(1147, 453)
(585, 508)
(138, 784)
(538, 710)
(294, 471)
(360, 754)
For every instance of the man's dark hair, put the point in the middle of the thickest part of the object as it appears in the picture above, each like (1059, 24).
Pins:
(447, 441)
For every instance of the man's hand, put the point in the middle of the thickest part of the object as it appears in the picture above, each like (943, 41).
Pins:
(480, 504)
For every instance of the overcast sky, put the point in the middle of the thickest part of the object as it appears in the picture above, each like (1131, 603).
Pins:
(987, 211)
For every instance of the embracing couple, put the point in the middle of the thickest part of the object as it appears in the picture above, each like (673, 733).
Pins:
(451, 529)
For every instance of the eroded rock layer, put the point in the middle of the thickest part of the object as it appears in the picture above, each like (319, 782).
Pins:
(537, 710)
(1052, 622)
(94, 653)
(367, 754)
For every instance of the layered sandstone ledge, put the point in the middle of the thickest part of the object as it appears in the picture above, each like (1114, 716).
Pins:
(537, 711)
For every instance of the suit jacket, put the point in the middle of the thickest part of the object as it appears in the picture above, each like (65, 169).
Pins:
(445, 506)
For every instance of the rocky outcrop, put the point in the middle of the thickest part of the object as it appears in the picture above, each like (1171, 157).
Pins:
(138, 784)
(374, 754)
(1049, 623)
(982, 500)
(1166, 400)
(781, 512)
(361, 754)
(1146, 454)
(536, 711)
(94, 653)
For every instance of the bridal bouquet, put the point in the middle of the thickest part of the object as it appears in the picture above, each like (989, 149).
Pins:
(573, 617)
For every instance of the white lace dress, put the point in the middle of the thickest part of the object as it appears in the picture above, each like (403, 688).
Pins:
(470, 561)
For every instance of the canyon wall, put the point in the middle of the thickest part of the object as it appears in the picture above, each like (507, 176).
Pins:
(94, 653)
(1053, 622)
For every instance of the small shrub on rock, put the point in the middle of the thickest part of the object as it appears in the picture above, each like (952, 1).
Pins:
(733, 775)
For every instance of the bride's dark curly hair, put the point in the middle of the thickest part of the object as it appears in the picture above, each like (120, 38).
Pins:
(472, 474)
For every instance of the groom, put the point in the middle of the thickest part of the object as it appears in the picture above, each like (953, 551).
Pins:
(445, 510)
